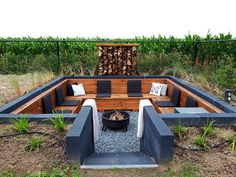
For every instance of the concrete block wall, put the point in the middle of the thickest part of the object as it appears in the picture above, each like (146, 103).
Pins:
(79, 139)
(158, 140)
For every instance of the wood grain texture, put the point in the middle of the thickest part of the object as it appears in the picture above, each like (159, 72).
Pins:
(119, 98)
(184, 93)
(34, 106)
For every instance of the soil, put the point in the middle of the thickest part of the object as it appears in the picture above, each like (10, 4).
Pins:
(219, 161)
(14, 155)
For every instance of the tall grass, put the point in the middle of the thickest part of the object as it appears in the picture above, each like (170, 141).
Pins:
(15, 85)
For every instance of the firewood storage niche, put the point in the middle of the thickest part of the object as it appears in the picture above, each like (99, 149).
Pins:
(117, 59)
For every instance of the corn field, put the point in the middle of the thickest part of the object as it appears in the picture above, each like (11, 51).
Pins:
(215, 55)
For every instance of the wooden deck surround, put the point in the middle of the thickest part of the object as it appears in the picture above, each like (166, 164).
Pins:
(119, 98)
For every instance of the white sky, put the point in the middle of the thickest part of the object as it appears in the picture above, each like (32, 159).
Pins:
(116, 19)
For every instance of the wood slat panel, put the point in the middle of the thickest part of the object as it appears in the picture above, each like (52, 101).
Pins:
(34, 106)
(119, 98)
(184, 93)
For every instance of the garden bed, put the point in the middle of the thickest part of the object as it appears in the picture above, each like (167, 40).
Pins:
(15, 156)
(217, 158)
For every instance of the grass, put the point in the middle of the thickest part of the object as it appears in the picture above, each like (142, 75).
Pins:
(201, 142)
(51, 173)
(21, 124)
(232, 144)
(208, 128)
(170, 172)
(189, 170)
(34, 143)
(58, 122)
(179, 130)
(15, 85)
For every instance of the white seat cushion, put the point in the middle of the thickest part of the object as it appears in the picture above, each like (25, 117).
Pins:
(78, 90)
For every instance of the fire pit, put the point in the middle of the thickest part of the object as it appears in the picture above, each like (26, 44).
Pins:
(115, 120)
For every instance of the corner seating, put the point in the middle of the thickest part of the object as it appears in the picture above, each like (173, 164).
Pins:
(69, 89)
(61, 99)
(48, 107)
(174, 101)
(191, 102)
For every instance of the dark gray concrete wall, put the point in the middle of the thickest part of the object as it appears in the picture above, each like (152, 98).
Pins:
(79, 139)
(158, 140)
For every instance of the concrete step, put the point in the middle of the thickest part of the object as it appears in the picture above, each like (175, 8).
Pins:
(118, 160)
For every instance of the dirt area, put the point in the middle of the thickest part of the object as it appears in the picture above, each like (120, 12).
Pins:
(220, 161)
(15, 156)
(215, 162)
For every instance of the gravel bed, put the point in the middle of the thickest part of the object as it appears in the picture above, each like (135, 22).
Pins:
(118, 140)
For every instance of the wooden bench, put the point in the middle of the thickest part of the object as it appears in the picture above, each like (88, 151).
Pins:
(118, 100)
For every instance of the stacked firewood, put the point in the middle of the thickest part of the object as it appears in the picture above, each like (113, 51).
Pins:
(117, 59)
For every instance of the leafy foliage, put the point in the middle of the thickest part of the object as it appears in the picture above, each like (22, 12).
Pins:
(156, 55)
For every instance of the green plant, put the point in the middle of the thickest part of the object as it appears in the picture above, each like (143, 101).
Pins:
(58, 122)
(170, 172)
(208, 128)
(179, 129)
(34, 143)
(189, 170)
(7, 174)
(21, 124)
(232, 144)
(201, 142)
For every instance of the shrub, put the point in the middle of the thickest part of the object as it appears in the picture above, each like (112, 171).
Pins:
(21, 124)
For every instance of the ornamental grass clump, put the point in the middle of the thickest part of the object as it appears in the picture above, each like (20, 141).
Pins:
(208, 128)
(21, 124)
(178, 130)
(58, 122)
(232, 143)
(34, 143)
(201, 142)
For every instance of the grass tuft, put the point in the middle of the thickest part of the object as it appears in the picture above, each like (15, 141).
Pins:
(208, 128)
(58, 122)
(201, 141)
(21, 124)
(15, 84)
(232, 144)
(179, 130)
(34, 143)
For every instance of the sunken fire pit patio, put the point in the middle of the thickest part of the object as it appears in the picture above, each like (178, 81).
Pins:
(115, 120)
